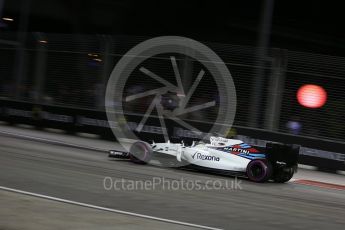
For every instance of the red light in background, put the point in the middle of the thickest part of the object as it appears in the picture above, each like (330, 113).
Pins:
(311, 96)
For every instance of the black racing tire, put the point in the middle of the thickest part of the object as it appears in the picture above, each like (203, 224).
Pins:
(283, 174)
(259, 170)
(140, 152)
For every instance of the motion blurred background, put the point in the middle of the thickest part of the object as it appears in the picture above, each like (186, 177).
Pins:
(287, 61)
(61, 53)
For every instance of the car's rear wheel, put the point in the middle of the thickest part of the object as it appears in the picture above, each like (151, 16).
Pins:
(259, 170)
(140, 152)
(283, 174)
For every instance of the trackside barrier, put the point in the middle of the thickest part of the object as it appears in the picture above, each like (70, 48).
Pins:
(324, 154)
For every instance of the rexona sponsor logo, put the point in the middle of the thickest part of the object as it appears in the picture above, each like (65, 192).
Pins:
(204, 157)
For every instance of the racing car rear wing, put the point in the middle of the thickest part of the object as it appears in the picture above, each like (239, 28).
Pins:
(286, 153)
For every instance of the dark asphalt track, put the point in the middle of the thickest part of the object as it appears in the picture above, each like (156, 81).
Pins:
(78, 175)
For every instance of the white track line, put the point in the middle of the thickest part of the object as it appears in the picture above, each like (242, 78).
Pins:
(107, 209)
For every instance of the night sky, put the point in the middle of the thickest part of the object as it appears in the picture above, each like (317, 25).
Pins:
(314, 26)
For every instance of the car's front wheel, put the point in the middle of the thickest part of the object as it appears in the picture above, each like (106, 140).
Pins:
(140, 152)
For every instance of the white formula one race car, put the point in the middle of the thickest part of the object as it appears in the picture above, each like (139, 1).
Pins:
(277, 162)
